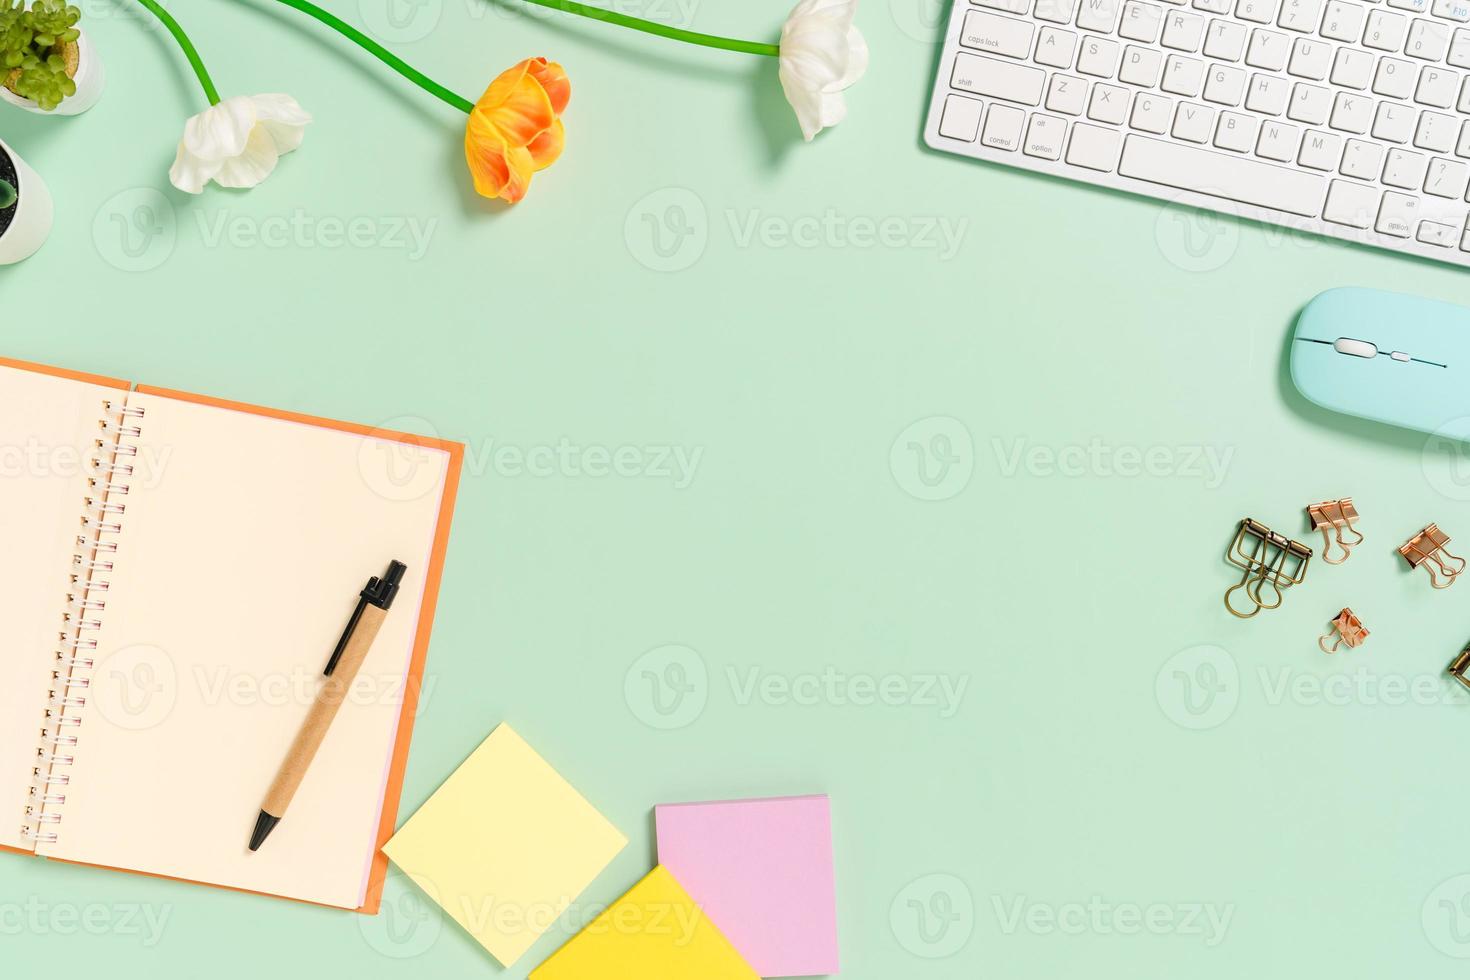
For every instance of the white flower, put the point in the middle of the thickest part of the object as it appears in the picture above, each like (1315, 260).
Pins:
(237, 143)
(822, 53)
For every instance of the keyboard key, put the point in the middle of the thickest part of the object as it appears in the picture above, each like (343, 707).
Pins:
(1213, 6)
(1350, 204)
(1141, 66)
(1405, 169)
(1193, 122)
(1098, 15)
(1151, 113)
(1458, 10)
(1184, 32)
(1009, 6)
(1268, 50)
(1055, 11)
(1352, 68)
(1320, 151)
(1437, 87)
(1093, 147)
(1268, 94)
(1436, 132)
(1239, 179)
(995, 34)
(1393, 122)
(1099, 57)
(1385, 30)
(1300, 15)
(1462, 148)
(1428, 39)
(1310, 58)
(1225, 85)
(1108, 104)
(1362, 159)
(1434, 233)
(1459, 55)
(1055, 47)
(1343, 21)
(1044, 136)
(1412, 6)
(1447, 178)
(1003, 127)
(1397, 215)
(1141, 21)
(1225, 40)
(1309, 104)
(1182, 76)
(1066, 93)
(1278, 141)
(1236, 132)
(1464, 107)
(961, 119)
(1259, 11)
(1351, 113)
(1394, 78)
(998, 79)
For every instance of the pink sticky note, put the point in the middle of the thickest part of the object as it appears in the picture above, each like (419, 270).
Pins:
(762, 872)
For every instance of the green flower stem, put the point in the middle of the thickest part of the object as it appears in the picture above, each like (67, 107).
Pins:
(381, 53)
(189, 52)
(662, 30)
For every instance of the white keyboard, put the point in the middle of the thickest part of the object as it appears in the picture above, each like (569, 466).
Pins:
(1343, 118)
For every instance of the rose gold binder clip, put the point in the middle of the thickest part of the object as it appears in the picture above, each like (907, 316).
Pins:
(1460, 665)
(1338, 516)
(1270, 561)
(1348, 628)
(1427, 548)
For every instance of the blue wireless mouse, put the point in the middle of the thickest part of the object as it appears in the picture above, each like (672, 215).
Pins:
(1392, 358)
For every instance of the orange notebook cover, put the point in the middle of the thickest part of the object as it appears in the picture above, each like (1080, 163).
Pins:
(178, 569)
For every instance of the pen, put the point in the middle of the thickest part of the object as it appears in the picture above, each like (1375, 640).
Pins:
(357, 639)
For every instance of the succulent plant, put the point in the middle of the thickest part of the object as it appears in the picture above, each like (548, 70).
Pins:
(34, 41)
(7, 195)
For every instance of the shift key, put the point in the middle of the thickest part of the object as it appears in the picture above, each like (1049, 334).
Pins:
(998, 79)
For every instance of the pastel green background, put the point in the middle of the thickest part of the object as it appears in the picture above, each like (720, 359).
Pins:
(1103, 750)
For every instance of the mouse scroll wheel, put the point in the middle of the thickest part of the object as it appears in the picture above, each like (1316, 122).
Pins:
(1357, 348)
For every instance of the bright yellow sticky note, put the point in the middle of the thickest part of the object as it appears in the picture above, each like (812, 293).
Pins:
(655, 932)
(505, 845)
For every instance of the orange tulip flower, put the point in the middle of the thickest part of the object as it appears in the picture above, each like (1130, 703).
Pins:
(515, 128)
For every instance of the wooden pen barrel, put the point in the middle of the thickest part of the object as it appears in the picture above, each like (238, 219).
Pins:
(328, 700)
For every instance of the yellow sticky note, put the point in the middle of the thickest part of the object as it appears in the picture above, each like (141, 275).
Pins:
(505, 845)
(655, 932)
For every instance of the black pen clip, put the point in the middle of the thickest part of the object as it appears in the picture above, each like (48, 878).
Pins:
(379, 592)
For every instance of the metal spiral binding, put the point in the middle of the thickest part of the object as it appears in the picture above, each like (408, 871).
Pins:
(85, 602)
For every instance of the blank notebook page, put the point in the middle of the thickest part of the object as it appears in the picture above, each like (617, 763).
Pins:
(47, 429)
(237, 569)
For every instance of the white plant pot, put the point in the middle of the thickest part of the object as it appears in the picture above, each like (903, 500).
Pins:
(31, 223)
(90, 78)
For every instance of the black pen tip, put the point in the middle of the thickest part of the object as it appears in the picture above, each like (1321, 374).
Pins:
(264, 824)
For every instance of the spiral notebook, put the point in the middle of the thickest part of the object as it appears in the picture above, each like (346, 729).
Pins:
(174, 571)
